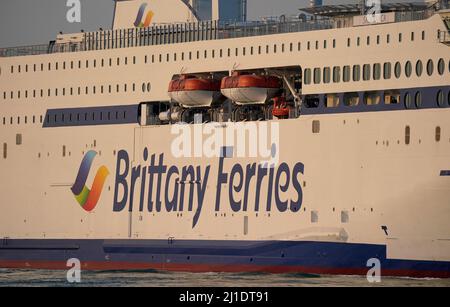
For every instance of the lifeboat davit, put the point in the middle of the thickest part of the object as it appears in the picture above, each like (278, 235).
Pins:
(251, 89)
(195, 92)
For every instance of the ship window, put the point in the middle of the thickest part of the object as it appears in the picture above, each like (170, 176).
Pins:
(5, 150)
(245, 225)
(419, 68)
(387, 70)
(400, 37)
(56, 66)
(312, 101)
(346, 73)
(388, 38)
(430, 67)
(316, 75)
(275, 48)
(326, 75)
(391, 97)
(316, 126)
(356, 73)
(229, 52)
(351, 99)
(358, 41)
(267, 49)
(441, 66)
(206, 54)
(378, 39)
(149, 87)
(398, 70)
(252, 50)
(71, 65)
(18, 139)
(376, 71)
(282, 48)
(412, 36)
(153, 58)
(64, 91)
(12, 69)
(299, 46)
(134, 87)
(126, 60)
(64, 150)
(345, 217)
(317, 45)
(438, 134)
(334, 43)
(42, 66)
(221, 53)
(291, 47)
(440, 99)
(408, 101)
(418, 99)
(314, 217)
(87, 90)
(408, 69)
(348, 42)
(423, 35)
(366, 72)
(160, 58)
(372, 98)
(143, 87)
(331, 100)
(236, 52)
(117, 88)
(308, 45)
(34, 67)
(336, 74)
(167, 57)
(42, 93)
(368, 40)
(134, 60)
(307, 76)
(125, 87)
(49, 93)
(213, 52)
(259, 50)
(109, 88)
(407, 135)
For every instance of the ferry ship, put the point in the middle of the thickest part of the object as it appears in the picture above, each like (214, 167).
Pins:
(103, 139)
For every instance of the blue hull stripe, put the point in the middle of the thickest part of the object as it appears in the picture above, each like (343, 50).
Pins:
(207, 252)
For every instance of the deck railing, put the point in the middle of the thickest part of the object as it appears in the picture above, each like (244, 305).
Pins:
(182, 33)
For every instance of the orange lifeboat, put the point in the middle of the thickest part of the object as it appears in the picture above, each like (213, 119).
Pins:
(280, 108)
(194, 92)
(250, 89)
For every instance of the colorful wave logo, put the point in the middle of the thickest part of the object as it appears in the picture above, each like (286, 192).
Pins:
(88, 198)
(148, 19)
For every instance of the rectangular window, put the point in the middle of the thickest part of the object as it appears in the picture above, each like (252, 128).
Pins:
(5, 150)
(18, 139)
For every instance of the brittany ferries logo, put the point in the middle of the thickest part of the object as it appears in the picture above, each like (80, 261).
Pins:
(88, 198)
(148, 18)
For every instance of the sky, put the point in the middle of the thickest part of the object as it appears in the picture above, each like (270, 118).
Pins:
(31, 22)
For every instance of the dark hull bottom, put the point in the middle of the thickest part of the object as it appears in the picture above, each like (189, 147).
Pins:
(213, 256)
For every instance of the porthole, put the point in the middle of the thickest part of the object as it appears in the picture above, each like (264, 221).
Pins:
(419, 68)
(408, 69)
(441, 66)
(408, 102)
(407, 135)
(418, 100)
(440, 99)
(398, 70)
(437, 136)
(149, 87)
(430, 67)
(143, 87)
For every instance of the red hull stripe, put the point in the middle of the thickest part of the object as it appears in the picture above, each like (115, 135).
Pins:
(201, 268)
